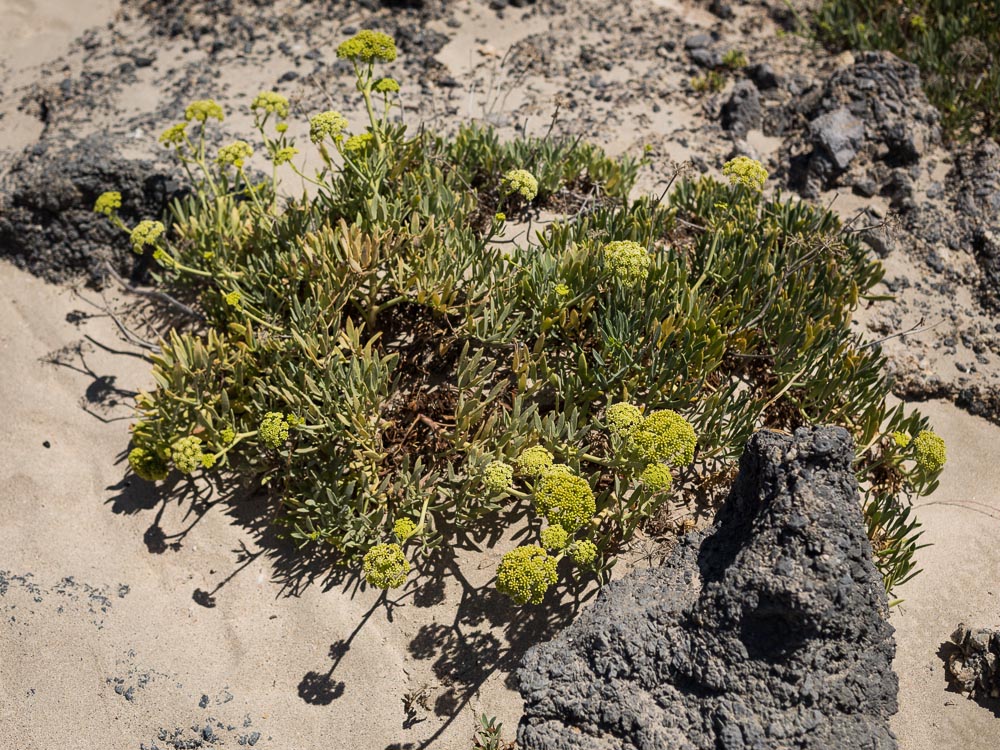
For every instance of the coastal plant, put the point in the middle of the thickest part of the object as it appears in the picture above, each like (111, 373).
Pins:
(401, 371)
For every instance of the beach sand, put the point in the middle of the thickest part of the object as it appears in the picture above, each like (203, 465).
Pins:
(130, 617)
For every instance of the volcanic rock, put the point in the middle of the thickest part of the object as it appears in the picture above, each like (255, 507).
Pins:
(769, 630)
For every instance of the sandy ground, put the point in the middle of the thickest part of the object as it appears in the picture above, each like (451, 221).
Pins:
(129, 619)
(107, 643)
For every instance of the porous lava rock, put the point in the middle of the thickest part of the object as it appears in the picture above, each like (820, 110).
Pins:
(866, 124)
(974, 183)
(972, 661)
(47, 220)
(768, 630)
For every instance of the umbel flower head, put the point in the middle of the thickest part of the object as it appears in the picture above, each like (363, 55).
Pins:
(147, 464)
(174, 135)
(901, 439)
(368, 46)
(533, 461)
(627, 261)
(520, 181)
(498, 476)
(146, 232)
(554, 538)
(109, 202)
(665, 436)
(358, 142)
(584, 553)
(403, 529)
(284, 155)
(329, 124)
(385, 566)
(930, 450)
(233, 298)
(525, 574)
(386, 86)
(657, 477)
(623, 418)
(202, 109)
(270, 102)
(747, 172)
(186, 454)
(234, 154)
(273, 430)
(564, 498)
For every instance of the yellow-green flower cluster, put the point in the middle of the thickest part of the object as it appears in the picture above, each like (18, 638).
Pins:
(147, 464)
(146, 232)
(385, 566)
(498, 476)
(534, 461)
(273, 429)
(584, 553)
(627, 261)
(525, 574)
(901, 439)
(561, 290)
(665, 436)
(403, 529)
(386, 86)
(233, 298)
(227, 435)
(358, 142)
(174, 135)
(284, 155)
(520, 181)
(746, 171)
(186, 454)
(564, 498)
(107, 203)
(202, 109)
(330, 124)
(930, 451)
(657, 477)
(234, 154)
(623, 418)
(368, 46)
(554, 538)
(270, 102)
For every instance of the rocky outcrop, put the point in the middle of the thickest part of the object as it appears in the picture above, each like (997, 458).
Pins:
(47, 220)
(865, 125)
(767, 631)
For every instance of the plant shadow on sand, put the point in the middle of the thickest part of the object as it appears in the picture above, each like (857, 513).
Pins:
(483, 634)
(478, 635)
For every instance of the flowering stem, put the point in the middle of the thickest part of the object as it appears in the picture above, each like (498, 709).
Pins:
(232, 445)
(423, 514)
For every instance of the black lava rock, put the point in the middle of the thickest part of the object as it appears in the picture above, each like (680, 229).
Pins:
(742, 111)
(763, 76)
(47, 220)
(838, 135)
(767, 631)
(873, 112)
(972, 661)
